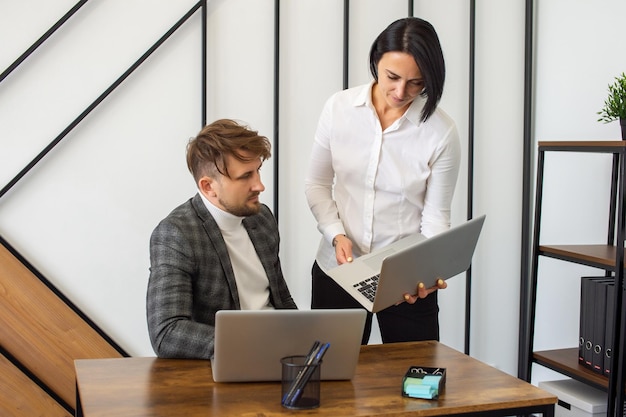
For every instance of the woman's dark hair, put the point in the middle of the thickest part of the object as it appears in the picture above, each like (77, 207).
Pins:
(417, 38)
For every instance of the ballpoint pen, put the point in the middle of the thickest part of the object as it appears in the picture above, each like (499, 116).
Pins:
(300, 383)
(307, 362)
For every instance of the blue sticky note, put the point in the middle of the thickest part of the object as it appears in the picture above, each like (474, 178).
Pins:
(431, 380)
(419, 391)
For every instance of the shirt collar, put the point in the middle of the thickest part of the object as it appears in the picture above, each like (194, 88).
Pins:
(364, 96)
(413, 113)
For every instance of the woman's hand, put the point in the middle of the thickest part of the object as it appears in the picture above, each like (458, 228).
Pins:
(423, 292)
(343, 249)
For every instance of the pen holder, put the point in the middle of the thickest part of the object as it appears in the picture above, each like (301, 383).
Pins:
(300, 383)
(423, 382)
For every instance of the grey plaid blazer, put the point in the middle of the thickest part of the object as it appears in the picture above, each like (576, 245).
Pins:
(191, 278)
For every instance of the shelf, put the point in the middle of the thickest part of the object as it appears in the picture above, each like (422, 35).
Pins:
(609, 257)
(602, 146)
(565, 361)
(598, 256)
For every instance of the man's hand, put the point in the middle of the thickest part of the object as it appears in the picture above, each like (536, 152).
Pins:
(423, 292)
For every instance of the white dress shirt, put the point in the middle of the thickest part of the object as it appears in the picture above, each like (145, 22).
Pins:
(378, 186)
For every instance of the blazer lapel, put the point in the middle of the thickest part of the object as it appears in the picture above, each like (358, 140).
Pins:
(217, 240)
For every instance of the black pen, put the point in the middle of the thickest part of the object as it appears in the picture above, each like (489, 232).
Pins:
(307, 362)
(300, 383)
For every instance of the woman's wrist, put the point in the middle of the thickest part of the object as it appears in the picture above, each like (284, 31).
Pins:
(335, 241)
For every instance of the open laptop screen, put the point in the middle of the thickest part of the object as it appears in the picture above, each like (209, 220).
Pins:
(250, 343)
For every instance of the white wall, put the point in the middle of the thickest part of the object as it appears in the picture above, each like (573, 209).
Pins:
(498, 181)
(83, 216)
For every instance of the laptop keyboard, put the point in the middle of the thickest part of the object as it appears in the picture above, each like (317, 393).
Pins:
(368, 286)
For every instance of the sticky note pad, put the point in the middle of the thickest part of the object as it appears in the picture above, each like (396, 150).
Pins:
(419, 391)
(423, 382)
(431, 380)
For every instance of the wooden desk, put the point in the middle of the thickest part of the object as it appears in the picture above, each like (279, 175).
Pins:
(167, 387)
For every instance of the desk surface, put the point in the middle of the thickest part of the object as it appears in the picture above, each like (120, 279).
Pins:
(165, 387)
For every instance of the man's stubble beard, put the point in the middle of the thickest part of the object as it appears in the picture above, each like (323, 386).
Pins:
(242, 210)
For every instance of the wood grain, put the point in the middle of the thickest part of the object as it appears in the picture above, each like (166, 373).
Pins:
(41, 331)
(20, 397)
(163, 387)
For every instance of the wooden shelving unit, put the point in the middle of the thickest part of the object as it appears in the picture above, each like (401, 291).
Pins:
(604, 257)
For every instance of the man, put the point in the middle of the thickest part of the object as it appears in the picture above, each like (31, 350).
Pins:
(217, 251)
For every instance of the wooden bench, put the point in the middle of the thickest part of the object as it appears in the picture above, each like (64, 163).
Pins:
(43, 334)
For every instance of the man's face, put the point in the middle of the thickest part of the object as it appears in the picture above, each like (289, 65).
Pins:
(239, 194)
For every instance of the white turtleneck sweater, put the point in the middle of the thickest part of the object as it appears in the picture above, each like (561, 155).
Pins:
(252, 282)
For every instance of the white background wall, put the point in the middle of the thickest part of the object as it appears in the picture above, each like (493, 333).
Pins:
(84, 214)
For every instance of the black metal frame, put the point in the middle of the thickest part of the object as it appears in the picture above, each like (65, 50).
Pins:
(529, 265)
(525, 327)
(470, 164)
(616, 233)
(276, 105)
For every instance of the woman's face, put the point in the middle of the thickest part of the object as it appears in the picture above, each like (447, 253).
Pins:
(399, 79)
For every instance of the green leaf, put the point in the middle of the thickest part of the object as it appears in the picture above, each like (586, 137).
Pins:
(615, 104)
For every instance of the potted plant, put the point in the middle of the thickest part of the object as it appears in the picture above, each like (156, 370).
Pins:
(615, 104)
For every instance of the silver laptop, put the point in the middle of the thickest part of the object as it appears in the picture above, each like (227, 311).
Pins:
(379, 279)
(250, 343)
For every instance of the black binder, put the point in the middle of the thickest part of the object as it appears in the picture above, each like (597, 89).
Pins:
(587, 311)
(599, 327)
(608, 336)
(584, 317)
(592, 322)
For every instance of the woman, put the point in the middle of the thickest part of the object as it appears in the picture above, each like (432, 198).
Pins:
(384, 165)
